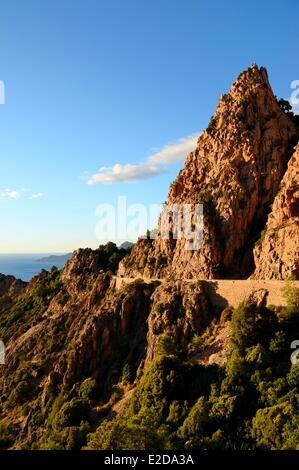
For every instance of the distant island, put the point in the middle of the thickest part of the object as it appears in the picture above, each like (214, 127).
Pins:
(126, 245)
(65, 257)
(55, 258)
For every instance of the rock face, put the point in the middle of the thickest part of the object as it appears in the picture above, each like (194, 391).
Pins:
(235, 171)
(180, 310)
(87, 329)
(277, 254)
(10, 287)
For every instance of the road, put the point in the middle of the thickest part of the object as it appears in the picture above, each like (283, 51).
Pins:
(225, 292)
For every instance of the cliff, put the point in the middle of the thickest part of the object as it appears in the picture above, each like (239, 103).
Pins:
(10, 288)
(277, 253)
(235, 171)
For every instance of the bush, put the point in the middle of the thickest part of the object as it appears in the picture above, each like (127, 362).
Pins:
(291, 296)
(110, 256)
(276, 427)
(257, 356)
(126, 374)
(71, 414)
(70, 438)
(211, 129)
(278, 343)
(204, 197)
(251, 325)
(88, 389)
(293, 376)
(223, 408)
(177, 412)
(128, 434)
(196, 421)
(7, 435)
(161, 382)
(20, 394)
(159, 308)
(167, 346)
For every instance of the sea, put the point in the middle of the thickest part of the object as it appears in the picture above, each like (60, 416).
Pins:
(25, 266)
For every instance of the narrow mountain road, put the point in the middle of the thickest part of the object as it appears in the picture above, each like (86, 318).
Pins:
(224, 292)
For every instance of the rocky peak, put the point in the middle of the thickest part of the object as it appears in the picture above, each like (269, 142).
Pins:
(9, 284)
(10, 287)
(80, 261)
(235, 171)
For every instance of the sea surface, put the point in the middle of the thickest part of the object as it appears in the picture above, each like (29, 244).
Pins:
(26, 266)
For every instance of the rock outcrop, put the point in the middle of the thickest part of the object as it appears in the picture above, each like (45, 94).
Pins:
(235, 171)
(10, 287)
(277, 253)
(87, 329)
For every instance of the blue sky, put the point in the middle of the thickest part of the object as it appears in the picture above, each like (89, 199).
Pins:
(95, 83)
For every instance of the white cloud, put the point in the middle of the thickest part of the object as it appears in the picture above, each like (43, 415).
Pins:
(171, 153)
(295, 108)
(37, 196)
(124, 173)
(176, 151)
(14, 194)
(8, 194)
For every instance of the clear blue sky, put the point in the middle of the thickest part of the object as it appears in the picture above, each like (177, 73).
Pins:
(94, 83)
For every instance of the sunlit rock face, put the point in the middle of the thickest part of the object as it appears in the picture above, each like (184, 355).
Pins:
(235, 171)
(277, 254)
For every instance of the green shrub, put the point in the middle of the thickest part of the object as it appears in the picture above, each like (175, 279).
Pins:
(291, 294)
(257, 355)
(88, 389)
(204, 197)
(278, 343)
(128, 434)
(20, 394)
(211, 129)
(276, 427)
(110, 256)
(196, 421)
(126, 374)
(161, 380)
(262, 238)
(167, 346)
(7, 435)
(71, 414)
(251, 325)
(159, 308)
(177, 412)
(293, 377)
(69, 438)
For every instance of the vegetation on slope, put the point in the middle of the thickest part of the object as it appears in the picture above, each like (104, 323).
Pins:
(250, 403)
(53, 401)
